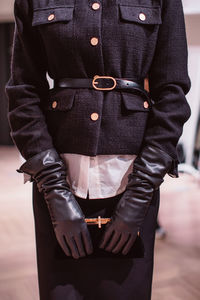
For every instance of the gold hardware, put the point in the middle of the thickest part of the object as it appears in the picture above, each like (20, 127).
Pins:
(146, 104)
(95, 6)
(98, 221)
(94, 116)
(142, 17)
(51, 17)
(94, 41)
(54, 104)
(94, 82)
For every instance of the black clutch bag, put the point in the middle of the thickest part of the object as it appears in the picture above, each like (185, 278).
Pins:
(96, 232)
(137, 250)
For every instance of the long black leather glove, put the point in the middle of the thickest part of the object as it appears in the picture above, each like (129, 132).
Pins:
(48, 170)
(149, 169)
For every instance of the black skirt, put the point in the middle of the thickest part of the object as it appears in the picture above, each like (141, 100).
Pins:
(101, 275)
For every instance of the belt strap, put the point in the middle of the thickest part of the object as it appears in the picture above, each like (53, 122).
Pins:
(101, 83)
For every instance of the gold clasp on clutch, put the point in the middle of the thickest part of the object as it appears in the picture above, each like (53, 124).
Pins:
(97, 221)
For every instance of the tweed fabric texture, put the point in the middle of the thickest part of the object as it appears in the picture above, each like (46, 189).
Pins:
(128, 46)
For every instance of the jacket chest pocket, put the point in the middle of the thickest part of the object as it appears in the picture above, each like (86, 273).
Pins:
(139, 20)
(54, 22)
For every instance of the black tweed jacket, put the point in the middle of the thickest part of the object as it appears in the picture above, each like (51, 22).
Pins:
(79, 39)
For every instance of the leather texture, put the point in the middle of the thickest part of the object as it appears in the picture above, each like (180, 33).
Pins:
(121, 83)
(103, 83)
(48, 170)
(148, 171)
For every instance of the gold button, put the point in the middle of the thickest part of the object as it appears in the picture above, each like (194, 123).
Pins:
(146, 104)
(94, 116)
(94, 41)
(142, 17)
(54, 104)
(51, 17)
(95, 6)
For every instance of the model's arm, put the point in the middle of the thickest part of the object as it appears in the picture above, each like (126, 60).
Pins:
(27, 86)
(169, 82)
(26, 89)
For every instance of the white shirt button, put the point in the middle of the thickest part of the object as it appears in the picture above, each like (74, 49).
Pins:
(94, 116)
(146, 104)
(94, 41)
(142, 17)
(95, 6)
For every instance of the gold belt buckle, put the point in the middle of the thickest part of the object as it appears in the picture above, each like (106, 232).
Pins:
(94, 83)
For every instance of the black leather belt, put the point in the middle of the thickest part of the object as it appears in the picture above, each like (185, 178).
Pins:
(101, 83)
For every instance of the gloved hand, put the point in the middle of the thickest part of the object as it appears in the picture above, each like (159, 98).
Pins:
(148, 171)
(48, 170)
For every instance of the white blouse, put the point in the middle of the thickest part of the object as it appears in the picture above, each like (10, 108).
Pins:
(101, 176)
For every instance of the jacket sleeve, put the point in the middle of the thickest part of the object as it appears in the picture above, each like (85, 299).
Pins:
(169, 82)
(27, 86)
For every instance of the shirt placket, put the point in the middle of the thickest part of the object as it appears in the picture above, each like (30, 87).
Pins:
(94, 185)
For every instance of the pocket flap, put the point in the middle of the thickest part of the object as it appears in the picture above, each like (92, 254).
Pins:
(61, 100)
(140, 14)
(52, 15)
(135, 102)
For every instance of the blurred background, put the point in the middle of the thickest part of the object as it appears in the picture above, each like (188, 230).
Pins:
(177, 249)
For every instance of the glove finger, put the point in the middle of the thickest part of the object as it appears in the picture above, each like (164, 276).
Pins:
(128, 245)
(107, 235)
(121, 243)
(73, 247)
(64, 246)
(79, 244)
(113, 242)
(87, 242)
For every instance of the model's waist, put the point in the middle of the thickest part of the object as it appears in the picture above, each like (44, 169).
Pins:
(102, 83)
